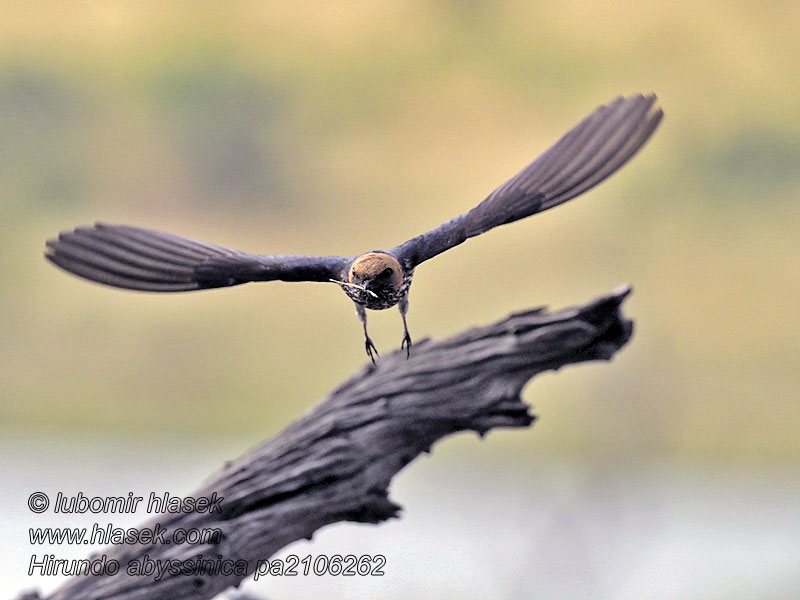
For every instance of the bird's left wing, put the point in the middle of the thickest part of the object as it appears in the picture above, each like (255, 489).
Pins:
(142, 259)
(587, 154)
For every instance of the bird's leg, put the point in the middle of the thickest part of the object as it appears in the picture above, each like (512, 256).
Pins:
(362, 316)
(406, 343)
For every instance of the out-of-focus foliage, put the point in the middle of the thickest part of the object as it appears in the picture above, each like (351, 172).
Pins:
(332, 128)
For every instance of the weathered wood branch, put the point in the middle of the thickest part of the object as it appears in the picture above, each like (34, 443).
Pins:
(336, 462)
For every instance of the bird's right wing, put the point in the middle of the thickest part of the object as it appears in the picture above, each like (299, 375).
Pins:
(142, 259)
(587, 154)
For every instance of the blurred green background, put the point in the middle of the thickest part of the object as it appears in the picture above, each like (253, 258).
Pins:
(320, 128)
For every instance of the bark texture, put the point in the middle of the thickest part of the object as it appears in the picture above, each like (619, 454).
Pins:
(336, 462)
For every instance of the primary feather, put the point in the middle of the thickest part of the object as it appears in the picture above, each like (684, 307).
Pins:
(586, 155)
(143, 259)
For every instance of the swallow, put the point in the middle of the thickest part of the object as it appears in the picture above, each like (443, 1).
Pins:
(133, 258)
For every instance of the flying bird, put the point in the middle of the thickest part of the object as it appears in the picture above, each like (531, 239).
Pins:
(143, 259)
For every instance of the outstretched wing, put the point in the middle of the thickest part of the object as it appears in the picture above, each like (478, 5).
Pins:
(142, 259)
(585, 156)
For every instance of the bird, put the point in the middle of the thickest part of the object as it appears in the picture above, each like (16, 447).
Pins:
(136, 258)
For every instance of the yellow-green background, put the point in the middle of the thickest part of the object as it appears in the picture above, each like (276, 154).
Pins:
(335, 128)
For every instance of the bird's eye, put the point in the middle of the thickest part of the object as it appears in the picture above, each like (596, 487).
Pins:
(386, 272)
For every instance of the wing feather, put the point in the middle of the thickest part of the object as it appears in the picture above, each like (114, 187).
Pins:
(143, 259)
(586, 155)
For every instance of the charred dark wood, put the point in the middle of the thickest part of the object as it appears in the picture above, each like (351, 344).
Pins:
(336, 462)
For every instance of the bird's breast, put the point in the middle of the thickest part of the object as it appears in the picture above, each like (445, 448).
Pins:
(385, 297)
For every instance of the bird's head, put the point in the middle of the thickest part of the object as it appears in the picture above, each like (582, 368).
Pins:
(377, 272)
(374, 280)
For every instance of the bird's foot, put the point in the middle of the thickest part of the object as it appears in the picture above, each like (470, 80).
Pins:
(372, 351)
(406, 343)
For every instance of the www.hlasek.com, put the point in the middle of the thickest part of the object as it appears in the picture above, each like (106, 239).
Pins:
(109, 535)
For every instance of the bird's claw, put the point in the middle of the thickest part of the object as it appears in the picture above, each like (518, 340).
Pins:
(371, 349)
(406, 343)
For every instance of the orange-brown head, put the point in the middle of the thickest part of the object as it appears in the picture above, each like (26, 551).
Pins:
(374, 267)
(376, 280)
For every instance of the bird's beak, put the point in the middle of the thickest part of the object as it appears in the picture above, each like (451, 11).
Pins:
(355, 285)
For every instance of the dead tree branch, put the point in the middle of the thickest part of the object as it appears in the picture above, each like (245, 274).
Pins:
(336, 462)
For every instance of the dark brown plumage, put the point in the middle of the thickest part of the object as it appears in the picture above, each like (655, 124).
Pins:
(142, 259)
